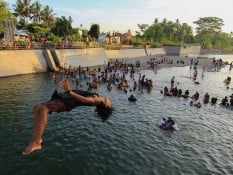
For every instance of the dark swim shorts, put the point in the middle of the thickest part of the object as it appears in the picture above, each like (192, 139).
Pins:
(62, 102)
(55, 105)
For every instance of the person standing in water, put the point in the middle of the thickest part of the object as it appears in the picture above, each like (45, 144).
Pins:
(172, 81)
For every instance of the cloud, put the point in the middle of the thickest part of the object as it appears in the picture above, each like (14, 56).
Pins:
(152, 4)
(80, 13)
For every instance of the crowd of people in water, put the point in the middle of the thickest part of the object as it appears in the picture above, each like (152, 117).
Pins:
(114, 75)
(118, 74)
(178, 92)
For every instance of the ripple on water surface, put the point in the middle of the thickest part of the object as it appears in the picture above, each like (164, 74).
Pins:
(77, 142)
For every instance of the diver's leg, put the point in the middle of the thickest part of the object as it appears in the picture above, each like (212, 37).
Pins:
(40, 117)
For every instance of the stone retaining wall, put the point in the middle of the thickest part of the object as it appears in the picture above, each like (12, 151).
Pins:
(18, 62)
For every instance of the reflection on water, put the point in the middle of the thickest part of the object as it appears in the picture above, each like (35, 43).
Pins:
(77, 142)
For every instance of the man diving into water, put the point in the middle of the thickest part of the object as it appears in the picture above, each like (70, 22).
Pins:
(64, 102)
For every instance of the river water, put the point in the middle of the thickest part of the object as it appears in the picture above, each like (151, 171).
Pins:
(77, 142)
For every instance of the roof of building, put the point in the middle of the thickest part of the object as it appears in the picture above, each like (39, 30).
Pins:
(21, 32)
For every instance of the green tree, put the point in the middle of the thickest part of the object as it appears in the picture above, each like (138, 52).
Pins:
(37, 29)
(84, 31)
(4, 13)
(94, 31)
(54, 38)
(22, 9)
(221, 41)
(166, 32)
(62, 27)
(21, 24)
(206, 43)
(156, 21)
(186, 33)
(75, 34)
(47, 16)
(168, 29)
(36, 12)
(154, 33)
(70, 19)
(209, 34)
(142, 28)
(208, 24)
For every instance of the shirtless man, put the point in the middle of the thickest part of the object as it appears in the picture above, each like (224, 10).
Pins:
(64, 102)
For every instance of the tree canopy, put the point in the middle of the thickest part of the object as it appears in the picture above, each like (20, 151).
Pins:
(4, 13)
(209, 34)
(26, 11)
(62, 27)
(208, 24)
(166, 32)
(94, 31)
(40, 19)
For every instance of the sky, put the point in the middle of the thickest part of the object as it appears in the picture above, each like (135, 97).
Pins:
(122, 15)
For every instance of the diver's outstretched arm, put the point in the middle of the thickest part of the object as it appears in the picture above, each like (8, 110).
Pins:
(89, 101)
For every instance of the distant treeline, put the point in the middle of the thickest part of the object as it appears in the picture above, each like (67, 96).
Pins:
(41, 20)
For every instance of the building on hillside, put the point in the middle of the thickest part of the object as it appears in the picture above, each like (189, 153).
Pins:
(127, 36)
(113, 38)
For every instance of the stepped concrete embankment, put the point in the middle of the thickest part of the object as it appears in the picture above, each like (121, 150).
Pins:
(19, 62)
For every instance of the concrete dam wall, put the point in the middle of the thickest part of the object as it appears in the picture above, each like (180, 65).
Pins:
(19, 62)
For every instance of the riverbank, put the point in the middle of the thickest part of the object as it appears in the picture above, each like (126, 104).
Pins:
(33, 61)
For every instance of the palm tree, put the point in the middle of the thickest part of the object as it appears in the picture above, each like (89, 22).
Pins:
(47, 16)
(164, 22)
(23, 9)
(36, 12)
(4, 14)
(185, 32)
(156, 21)
(177, 30)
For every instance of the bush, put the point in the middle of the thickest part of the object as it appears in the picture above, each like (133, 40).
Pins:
(54, 38)
(155, 45)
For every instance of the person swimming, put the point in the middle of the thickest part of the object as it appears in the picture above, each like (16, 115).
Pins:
(224, 101)
(132, 98)
(213, 100)
(195, 96)
(162, 123)
(198, 105)
(206, 98)
(168, 124)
